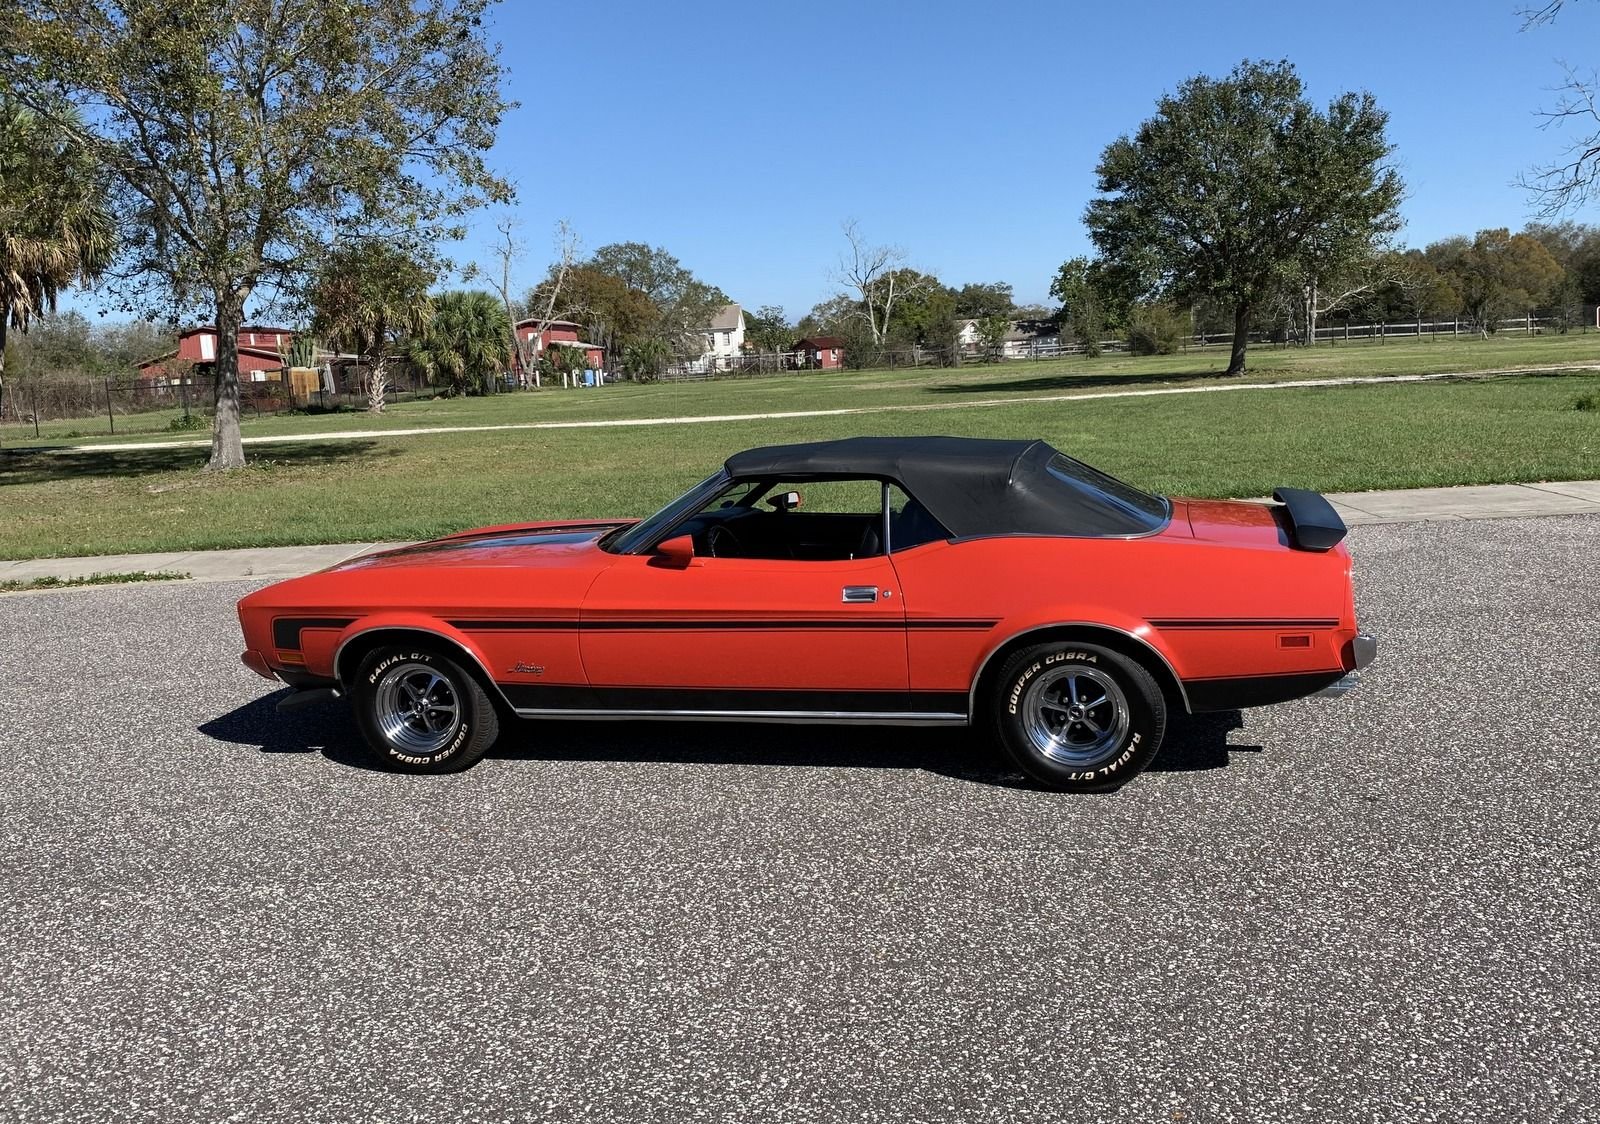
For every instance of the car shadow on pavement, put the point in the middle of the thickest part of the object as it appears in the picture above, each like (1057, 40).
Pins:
(1194, 743)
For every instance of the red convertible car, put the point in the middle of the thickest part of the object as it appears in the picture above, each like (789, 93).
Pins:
(906, 581)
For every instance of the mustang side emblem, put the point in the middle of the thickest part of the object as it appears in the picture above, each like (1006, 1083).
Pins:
(520, 668)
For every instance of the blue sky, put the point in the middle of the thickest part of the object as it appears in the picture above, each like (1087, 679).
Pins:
(740, 135)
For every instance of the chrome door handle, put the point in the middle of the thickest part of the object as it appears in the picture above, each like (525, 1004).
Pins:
(859, 593)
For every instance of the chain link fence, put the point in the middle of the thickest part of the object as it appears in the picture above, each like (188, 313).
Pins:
(29, 406)
(74, 407)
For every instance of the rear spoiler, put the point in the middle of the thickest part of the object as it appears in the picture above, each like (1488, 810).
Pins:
(1313, 524)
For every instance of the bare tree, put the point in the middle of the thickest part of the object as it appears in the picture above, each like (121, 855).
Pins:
(880, 275)
(1320, 296)
(1573, 178)
(510, 250)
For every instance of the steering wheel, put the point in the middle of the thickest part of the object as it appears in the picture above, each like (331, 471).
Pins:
(722, 542)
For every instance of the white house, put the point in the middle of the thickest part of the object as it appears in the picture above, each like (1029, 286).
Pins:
(967, 334)
(725, 337)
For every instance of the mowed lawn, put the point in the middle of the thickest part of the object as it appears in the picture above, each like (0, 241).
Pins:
(926, 386)
(1334, 438)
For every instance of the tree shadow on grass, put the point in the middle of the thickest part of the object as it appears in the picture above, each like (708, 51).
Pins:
(45, 465)
(1194, 743)
(1072, 381)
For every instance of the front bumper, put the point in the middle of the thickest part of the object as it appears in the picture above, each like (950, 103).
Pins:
(257, 663)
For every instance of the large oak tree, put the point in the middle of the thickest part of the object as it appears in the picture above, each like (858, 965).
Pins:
(245, 134)
(1238, 185)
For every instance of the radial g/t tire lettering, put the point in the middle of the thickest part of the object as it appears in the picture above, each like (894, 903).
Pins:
(1077, 717)
(421, 711)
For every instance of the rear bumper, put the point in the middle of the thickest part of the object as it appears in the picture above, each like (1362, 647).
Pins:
(1363, 650)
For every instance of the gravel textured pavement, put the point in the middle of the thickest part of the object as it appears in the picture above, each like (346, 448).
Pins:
(1377, 908)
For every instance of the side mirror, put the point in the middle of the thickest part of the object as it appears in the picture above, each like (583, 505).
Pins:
(676, 553)
(785, 501)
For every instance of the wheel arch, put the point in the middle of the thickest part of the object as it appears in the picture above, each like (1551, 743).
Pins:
(1119, 640)
(366, 636)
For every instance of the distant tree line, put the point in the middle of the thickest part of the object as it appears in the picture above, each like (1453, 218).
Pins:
(69, 344)
(196, 161)
(1548, 269)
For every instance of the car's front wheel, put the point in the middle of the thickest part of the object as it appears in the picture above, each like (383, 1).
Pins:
(421, 712)
(1077, 717)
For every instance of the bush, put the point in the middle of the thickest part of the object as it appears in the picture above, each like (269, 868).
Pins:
(1590, 401)
(185, 422)
(1154, 329)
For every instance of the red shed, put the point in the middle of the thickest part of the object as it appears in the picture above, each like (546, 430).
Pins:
(558, 333)
(819, 353)
(259, 353)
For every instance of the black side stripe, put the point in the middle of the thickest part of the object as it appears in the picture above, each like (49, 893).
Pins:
(286, 630)
(531, 696)
(514, 626)
(716, 625)
(1246, 622)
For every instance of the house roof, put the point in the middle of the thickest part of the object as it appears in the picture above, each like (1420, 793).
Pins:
(529, 321)
(974, 486)
(259, 329)
(726, 320)
(154, 359)
(819, 342)
(244, 349)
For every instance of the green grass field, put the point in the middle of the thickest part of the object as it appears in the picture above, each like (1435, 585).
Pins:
(924, 386)
(1239, 443)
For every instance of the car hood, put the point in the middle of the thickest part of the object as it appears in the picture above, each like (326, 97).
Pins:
(520, 544)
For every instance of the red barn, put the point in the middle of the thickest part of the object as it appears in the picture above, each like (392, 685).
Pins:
(196, 353)
(558, 333)
(820, 353)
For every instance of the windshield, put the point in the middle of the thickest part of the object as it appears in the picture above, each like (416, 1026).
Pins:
(631, 540)
(1097, 489)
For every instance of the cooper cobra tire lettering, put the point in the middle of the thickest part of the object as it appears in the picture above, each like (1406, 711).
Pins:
(1140, 741)
(1053, 658)
(478, 729)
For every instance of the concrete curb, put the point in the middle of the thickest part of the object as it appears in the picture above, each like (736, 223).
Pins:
(1411, 505)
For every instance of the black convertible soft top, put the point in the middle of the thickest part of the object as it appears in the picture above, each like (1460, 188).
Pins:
(974, 486)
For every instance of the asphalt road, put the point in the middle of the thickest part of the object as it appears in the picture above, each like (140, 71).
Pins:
(1380, 908)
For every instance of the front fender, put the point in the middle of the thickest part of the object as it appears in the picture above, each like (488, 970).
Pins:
(396, 621)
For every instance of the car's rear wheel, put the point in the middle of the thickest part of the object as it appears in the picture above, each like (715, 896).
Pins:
(1077, 717)
(421, 711)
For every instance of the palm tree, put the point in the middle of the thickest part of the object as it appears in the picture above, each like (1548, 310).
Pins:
(56, 228)
(369, 293)
(468, 341)
(646, 359)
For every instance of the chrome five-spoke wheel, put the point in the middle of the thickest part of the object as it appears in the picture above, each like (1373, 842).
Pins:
(416, 709)
(420, 709)
(1075, 715)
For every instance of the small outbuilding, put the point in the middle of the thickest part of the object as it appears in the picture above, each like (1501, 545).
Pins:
(819, 353)
(261, 352)
(534, 335)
